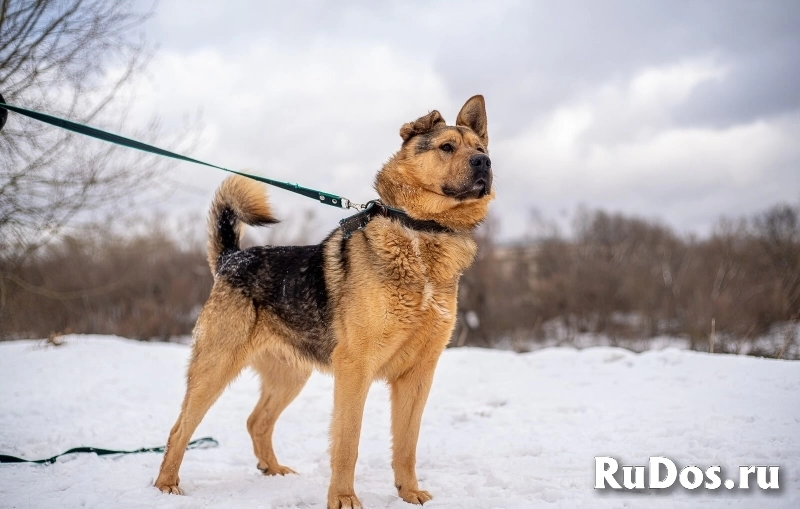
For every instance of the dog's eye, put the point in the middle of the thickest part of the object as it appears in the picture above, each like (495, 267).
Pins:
(481, 150)
(447, 147)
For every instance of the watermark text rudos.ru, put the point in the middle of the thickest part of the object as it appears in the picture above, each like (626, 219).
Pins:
(661, 473)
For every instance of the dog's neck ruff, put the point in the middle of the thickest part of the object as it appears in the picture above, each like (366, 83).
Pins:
(359, 221)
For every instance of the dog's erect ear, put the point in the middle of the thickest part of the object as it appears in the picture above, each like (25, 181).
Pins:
(421, 125)
(473, 115)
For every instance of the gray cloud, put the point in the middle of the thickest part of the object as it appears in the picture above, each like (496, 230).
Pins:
(682, 110)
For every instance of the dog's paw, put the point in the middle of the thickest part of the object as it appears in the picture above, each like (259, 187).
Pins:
(414, 496)
(171, 489)
(349, 501)
(275, 470)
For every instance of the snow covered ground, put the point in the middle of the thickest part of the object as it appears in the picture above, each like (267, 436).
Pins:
(500, 430)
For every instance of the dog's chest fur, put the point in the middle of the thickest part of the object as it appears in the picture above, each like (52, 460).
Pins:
(419, 271)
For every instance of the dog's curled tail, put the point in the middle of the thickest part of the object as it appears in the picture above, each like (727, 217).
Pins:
(238, 200)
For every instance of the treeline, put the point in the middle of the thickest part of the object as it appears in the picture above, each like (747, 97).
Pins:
(616, 279)
(147, 285)
(620, 279)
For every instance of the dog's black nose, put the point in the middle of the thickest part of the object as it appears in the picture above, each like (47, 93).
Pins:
(481, 173)
(480, 163)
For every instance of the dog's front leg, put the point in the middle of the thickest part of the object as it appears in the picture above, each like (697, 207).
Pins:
(350, 387)
(409, 394)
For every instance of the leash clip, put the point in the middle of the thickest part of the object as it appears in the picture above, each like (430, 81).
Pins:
(360, 219)
(347, 204)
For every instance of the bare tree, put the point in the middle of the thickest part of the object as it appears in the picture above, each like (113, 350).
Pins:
(77, 59)
(778, 233)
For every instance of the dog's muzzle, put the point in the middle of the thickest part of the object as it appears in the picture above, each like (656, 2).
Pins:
(480, 183)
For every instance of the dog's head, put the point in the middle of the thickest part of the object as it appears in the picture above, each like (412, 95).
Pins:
(442, 172)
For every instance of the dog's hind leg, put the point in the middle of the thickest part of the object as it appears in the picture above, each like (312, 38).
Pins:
(220, 350)
(280, 384)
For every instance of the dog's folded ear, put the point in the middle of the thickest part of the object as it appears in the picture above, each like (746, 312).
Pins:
(421, 125)
(473, 115)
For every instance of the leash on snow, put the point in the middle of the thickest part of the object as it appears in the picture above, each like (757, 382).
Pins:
(200, 443)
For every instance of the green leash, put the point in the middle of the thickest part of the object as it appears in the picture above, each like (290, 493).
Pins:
(326, 198)
(200, 443)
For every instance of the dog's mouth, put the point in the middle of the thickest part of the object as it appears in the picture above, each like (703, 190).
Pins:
(477, 190)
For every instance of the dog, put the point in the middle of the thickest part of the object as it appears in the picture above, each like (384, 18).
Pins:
(374, 302)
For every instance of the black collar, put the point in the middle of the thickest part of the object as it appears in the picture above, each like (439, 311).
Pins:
(359, 221)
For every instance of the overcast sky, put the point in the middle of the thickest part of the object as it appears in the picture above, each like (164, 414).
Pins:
(683, 111)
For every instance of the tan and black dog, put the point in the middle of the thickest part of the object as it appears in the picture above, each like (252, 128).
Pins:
(376, 302)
